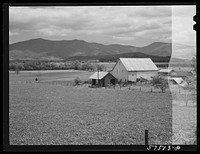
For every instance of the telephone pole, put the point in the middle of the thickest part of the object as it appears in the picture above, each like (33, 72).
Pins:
(98, 74)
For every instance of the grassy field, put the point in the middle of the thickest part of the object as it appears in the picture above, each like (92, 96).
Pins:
(184, 116)
(50, 76)
(45, 114)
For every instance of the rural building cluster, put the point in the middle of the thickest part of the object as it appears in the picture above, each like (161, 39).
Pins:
(136, 69)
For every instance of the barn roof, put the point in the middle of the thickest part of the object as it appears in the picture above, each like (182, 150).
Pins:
(138, 64)
(100, 74)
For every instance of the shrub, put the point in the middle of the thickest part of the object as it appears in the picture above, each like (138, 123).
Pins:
(77, 81)
(88, 81)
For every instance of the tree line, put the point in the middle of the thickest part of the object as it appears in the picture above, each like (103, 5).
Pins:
(133, 55)
(46, 65)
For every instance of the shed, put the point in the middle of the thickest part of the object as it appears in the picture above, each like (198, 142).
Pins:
(130, 69)
(179, 81)
(104, 78)
(166, 72)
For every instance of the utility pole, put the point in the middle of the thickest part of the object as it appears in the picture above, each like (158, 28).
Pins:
(98, 74)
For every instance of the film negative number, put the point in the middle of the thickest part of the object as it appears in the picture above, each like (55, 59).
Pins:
(163, 147)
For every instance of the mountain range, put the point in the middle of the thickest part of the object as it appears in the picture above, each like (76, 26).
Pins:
(79, 49)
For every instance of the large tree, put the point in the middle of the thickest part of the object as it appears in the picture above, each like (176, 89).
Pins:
(18, 67)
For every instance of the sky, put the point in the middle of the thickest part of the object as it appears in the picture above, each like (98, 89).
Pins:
(128, 25)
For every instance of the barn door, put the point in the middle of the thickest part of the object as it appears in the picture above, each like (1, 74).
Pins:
(93, 82)
(112, 81)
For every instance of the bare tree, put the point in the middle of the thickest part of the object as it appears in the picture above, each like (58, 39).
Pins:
(194, 64)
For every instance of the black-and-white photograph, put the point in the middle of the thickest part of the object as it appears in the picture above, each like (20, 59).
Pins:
(102, 75)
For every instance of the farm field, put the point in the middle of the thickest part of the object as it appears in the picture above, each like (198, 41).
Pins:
(46, 114)
(50, 75)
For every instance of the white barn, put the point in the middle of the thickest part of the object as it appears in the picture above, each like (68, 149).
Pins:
(129, 69)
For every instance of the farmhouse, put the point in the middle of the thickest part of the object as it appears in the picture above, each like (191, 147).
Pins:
(104, 78)
(131, 69)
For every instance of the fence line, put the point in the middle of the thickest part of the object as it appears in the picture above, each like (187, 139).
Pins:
(141, 88)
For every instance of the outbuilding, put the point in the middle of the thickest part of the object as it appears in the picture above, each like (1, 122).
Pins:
(178, 81)
(131, 69)
(104, 79)
(166, 72)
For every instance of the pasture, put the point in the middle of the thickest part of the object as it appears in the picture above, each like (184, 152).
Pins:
(46, 114)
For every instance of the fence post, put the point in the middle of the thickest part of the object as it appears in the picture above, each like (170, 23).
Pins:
(186, 99)
(146, 137)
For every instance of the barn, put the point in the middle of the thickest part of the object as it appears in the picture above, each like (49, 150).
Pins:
(131, 69)
(104, 78)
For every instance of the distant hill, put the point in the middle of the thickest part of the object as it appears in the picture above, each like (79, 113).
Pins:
(66, 49)
(157, 49)
(81, 50)
(115, 57)
(136, 55)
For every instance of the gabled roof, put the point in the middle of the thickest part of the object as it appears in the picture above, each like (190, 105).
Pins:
(138, 64)
(98, 75)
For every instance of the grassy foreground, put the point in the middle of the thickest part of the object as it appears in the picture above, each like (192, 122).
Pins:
(45, 114)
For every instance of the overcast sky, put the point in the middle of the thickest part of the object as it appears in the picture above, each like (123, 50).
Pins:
(132, 25)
